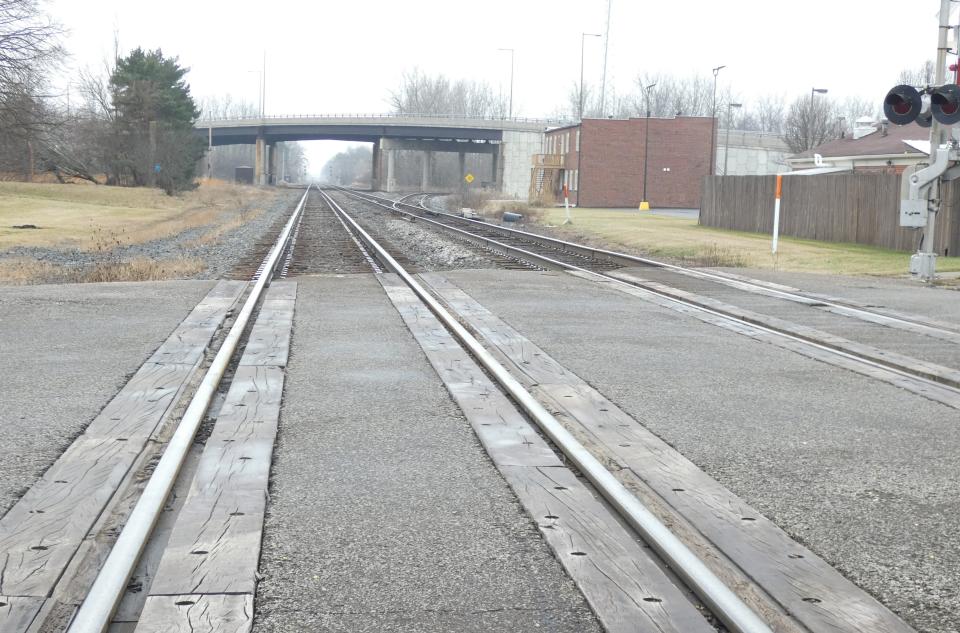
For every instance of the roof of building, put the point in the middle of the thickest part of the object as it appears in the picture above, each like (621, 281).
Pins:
(899, 139)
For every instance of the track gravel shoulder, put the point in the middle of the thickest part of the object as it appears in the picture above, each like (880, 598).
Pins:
(66, 351)
(858, 470)
(385, 513)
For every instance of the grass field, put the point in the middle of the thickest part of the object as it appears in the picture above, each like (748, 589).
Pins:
(89, 217)
(684, 240)
(99, 219)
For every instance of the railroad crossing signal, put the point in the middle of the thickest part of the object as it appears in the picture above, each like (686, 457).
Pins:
(468, 178)
(905, 104)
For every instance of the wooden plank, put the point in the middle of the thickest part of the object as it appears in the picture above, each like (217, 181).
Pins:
(42, 532)
(798, 580)
(505, 434)
(189, 341)
(137, 410)
(626, 589)
(624, 586)
(214, 546)
(197, 614)
(269, 340)
(16, 613)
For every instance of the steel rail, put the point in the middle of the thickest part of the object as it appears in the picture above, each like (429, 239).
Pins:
(868, 361)
(721, 601)
(98, 607)
(682, 270)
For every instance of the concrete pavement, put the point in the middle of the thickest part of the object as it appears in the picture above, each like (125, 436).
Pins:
(66, 351)
(386, 514)
(858, 470)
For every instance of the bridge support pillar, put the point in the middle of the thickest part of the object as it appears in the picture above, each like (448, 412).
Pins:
(426, 171)
(391, 177)
(260, 162)
(375, 183)
(272, 164)
(462, 161)
(496, 163)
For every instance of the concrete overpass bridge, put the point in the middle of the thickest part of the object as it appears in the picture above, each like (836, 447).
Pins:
(510, 141)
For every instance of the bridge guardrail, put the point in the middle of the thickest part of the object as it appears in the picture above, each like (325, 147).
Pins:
(381, 115)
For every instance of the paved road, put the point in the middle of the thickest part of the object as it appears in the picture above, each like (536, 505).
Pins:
(860, 471)
(386, 514)
(66, 350)
(906, 295)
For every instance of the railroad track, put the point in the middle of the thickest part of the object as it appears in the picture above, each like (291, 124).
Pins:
(203, 558)
(916, 353)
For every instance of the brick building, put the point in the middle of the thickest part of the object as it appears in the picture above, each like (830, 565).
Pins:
(610, 172)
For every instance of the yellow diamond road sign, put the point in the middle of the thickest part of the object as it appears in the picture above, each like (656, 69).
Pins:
(468, 178)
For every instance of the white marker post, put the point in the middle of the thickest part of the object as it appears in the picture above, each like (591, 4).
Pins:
(776, 214)
(566, 205)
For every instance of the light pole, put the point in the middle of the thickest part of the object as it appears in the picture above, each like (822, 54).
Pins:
(259, 91)
(644, 204)
(726, 144)
(583, 39)
(713, 122)
(606, 48)
(511, 78)
(810, 125)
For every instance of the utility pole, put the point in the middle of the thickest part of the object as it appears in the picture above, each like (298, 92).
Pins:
(511, 78)
(606, 48)
(583, 39)
(713, 123)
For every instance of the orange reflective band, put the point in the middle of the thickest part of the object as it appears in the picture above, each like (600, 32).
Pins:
(779, 186)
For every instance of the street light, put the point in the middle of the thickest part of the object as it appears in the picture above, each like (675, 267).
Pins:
(259, 91)
(583, 39)
(511, 78)
(713, 122)
(579, 145)
(646, 146)
(726, 147)
(810, 125)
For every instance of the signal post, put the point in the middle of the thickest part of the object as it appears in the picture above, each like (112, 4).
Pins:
(936, 107)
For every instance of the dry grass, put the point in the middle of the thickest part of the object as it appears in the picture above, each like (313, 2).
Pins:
(100, 219)
(682, 239)
(71, 216)
(143, 269)
(23, 271)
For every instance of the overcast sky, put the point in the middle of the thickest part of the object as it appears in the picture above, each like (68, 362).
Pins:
(345, 55)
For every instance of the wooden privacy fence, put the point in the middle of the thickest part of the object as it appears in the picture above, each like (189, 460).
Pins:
(858, 208)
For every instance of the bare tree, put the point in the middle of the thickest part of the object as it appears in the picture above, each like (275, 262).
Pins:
(809, 122)
(29, 45)
(438, 95)
(769, 111)
(923, 75)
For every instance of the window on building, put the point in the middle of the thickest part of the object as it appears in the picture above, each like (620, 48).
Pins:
(576, 180)
(578, 139)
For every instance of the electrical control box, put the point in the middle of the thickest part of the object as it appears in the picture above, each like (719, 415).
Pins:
(913, 213)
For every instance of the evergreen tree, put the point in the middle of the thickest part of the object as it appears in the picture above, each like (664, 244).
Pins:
(153, 122)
